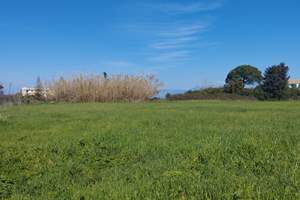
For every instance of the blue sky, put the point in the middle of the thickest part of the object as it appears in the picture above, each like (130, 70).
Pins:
(186, 43)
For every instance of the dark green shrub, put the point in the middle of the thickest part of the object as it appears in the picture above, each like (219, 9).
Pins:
(1, 90)
(294, 93)
(275, 83)
(259, 93)
(213, 94)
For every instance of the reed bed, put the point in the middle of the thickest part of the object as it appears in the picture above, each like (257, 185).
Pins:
(97, 88)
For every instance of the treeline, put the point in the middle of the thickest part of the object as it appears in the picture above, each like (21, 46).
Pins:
(248, 82)
(244, 82)
(211, 94)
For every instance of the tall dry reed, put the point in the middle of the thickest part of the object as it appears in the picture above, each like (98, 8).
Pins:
(96, 88)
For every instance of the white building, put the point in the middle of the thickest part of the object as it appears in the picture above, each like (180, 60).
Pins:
(294, 84)
(26, 91)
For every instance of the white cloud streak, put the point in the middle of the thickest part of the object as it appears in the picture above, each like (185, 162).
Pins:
(174, 41)
(185, 30)
(184, 8)
(174, 38)
(180, 55)
(179, 37)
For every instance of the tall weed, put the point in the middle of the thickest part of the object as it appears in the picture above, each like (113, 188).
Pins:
(96, 88)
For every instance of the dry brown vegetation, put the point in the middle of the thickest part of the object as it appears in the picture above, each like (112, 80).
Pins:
(96, 88)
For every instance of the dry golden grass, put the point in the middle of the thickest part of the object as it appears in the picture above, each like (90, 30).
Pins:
(96, 88)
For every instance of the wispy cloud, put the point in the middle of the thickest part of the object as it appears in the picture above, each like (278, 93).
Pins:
(184, 8)
(179, 37)
(185, 30)
(171, 56)
(173, 39)
(173, 43)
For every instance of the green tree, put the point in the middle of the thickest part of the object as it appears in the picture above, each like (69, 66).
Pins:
(275, 83)
(1, 89)
(105, 75)
(168, 95)
(242, 76)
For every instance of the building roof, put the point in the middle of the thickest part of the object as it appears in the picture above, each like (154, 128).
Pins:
(294, 81)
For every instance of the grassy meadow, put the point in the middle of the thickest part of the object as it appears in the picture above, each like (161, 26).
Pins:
(160, 150)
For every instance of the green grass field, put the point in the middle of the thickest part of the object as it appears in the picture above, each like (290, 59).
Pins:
(163, 150)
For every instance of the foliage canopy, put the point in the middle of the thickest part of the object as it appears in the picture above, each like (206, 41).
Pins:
(275, 82)
(1, 89)
(240, 77)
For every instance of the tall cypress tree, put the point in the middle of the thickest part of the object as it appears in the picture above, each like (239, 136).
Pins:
(1, 89)
(275, 83)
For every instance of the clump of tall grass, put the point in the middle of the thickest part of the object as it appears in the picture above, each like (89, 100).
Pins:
(98, 88)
